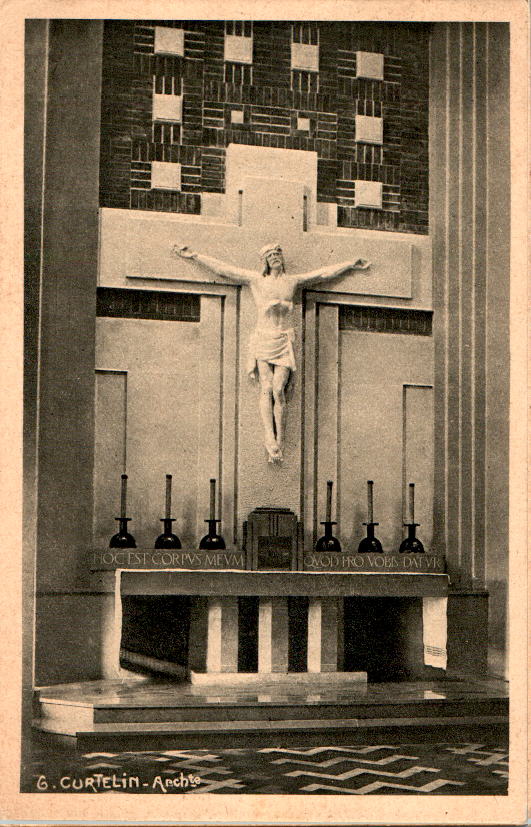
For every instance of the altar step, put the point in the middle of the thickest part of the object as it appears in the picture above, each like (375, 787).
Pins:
(154, 715)
(309, 732)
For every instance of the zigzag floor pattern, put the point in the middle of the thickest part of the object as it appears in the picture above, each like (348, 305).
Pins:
(444, 769)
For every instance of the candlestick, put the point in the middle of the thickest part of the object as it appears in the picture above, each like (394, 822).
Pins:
(123, 497)
(411, 502)
(329, 486)
(122, 539)
(168, 496)
(328, 542)
(167, 539)
(411, 544)
(212, 499)
(370, 484)
(370, 543)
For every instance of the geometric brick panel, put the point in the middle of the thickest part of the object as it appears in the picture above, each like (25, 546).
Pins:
(350, 75)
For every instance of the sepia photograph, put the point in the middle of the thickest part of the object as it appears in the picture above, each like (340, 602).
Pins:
(268, 395)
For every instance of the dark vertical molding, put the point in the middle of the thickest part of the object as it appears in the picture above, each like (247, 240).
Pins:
(36, 43)
(497, 327)
(480, 297)
(453, 467)
(68, 301)
(438, 228)
(467, 293)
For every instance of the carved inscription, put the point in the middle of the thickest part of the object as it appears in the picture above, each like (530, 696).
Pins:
(426, 563)
(109, 559)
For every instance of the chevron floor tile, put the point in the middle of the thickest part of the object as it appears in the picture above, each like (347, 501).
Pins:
(390, 769)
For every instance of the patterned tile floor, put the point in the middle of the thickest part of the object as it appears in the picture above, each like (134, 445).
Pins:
(444, 769)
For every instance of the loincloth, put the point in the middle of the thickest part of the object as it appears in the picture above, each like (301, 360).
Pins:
(273, 347)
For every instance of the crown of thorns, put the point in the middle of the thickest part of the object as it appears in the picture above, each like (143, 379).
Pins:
(269, 248)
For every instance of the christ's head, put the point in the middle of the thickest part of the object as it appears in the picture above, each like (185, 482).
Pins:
(273, 259)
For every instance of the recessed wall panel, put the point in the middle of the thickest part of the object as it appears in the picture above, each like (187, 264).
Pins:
(161, 360)
(373, 370)
(109, 450)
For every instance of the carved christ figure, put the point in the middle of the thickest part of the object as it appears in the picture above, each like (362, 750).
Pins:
(271, 357)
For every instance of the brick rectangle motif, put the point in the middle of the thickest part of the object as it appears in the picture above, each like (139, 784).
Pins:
(169, 41)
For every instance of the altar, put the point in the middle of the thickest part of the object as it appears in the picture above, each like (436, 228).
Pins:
(246, 626)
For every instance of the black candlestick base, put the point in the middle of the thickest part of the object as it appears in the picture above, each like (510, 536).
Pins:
(370, 543)
(411, 545)
(212, 541)
(328, 542)
(122, 539)
(167, 539)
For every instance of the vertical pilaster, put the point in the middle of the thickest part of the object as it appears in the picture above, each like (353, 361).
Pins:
(470, 224)
(112, 633)
(273, 634)
(66, 244)
(325, 620)
(222, 634)
(63, 98)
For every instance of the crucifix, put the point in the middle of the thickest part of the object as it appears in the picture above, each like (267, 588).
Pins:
(271, 359)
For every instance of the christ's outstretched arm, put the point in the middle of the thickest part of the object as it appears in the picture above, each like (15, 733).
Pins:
(214, 265)
(331, 272)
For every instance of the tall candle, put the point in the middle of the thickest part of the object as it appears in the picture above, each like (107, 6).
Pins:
(212, 499)
(123, 498)
(370, 484)
(329, 485)
(168, 496)
(411, 502)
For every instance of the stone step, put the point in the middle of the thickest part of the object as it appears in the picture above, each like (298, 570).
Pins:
(191, 734)
(221, 710)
